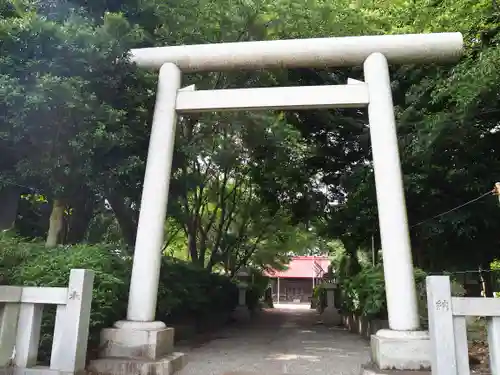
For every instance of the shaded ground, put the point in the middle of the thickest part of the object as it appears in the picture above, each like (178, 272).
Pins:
(284, 340)
(478, 347)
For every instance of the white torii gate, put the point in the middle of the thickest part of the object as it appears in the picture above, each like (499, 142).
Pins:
(403, 346)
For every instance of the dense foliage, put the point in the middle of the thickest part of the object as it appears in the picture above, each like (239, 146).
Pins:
(74, 137)
(186, 294)
(77, 116)
(363, 294)
(447, 124)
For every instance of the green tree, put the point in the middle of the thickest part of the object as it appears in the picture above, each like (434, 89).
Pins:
(447, 119)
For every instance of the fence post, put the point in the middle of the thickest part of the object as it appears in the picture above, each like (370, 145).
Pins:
(28, 334)
(58, 340)
(441, 330)
(9, 315)
(494, 344)
(70, 351)
(461, 345)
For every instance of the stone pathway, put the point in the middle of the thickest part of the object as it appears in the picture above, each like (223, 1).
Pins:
(284, 340)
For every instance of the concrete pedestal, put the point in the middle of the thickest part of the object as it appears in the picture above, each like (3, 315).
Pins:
(331, 316)
(137, 348)
(401, 350)
(241, 313)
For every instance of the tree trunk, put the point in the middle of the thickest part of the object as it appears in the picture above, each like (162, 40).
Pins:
(192, 248)
(202, 249)
(353, 267)
(125, 216)
(78, 221)
(9, 200)
(487, 283)
(56, 223)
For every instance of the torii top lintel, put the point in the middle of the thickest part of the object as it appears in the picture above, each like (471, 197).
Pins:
(297, 53)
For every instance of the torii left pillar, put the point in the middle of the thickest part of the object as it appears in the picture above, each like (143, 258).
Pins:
(141, 345)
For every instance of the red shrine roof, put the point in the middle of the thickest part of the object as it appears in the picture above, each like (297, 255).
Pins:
(303, 267)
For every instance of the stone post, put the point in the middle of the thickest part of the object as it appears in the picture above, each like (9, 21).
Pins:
(241, 312)
(403, 346)
(71, 331)
(242, 294)
(330, 315)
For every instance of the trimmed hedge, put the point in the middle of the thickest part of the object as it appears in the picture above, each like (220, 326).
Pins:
(185, 292)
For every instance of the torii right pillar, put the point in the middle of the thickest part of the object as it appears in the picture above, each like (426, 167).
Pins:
(404, 346)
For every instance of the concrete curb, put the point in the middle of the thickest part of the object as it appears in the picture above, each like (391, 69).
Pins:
(371, 369)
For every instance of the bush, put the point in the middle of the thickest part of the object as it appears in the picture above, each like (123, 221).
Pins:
(184, 291)
(495, 265)
(256, 289)
(319, 297)
(457, 290)
(187, 291)
(495, 277)
(364, 293)
(268, 298)
(31, 264)
(252, 297)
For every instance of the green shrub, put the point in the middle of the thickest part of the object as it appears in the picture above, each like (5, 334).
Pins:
(495, 265)
(268, 298)
(31, 264)
(495, 277)
(364, 293)
(14, 253)
(187, 291)
(256, 288)
(319, 297)
(252, 297)
(457, 290)
(184, 290)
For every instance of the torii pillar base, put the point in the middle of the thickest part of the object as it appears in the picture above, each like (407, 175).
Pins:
(138, 348)
(401, 350)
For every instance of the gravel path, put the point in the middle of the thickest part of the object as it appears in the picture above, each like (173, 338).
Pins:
(284, 340)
